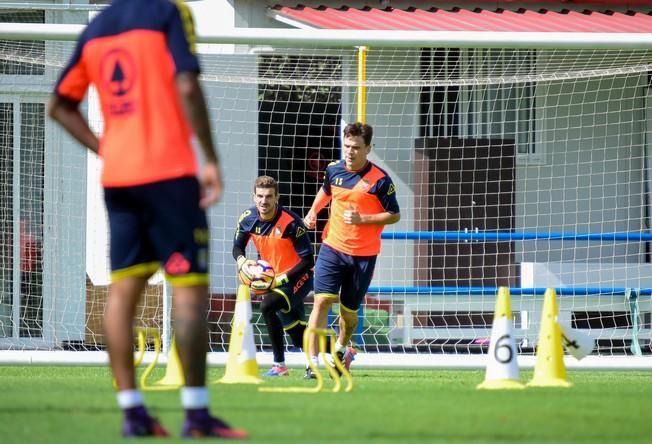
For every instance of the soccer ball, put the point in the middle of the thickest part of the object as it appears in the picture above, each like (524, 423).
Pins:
(263, 276)
(246, 271)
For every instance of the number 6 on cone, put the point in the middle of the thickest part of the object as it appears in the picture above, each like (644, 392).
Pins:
(502, 365)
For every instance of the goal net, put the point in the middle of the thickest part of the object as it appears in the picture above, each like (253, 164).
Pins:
(519, 167)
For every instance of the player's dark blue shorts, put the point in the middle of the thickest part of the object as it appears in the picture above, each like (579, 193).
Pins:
(294, 292)
(343, 274)
(158, 224)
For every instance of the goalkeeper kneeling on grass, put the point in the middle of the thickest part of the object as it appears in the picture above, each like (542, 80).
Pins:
(281, 238)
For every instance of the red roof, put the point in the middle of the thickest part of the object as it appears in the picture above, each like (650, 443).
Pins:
(456, 19)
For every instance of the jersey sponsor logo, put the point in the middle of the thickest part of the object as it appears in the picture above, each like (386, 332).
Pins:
(300, 283)
(257, 229)
(118, 75)
(300, 232)
(177, 264)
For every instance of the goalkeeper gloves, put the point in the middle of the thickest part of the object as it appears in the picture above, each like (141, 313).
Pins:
(261, 286)
(244, 269)
(280, 280)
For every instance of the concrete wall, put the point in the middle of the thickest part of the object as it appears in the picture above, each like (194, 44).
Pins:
(64, 203)
(592, 134)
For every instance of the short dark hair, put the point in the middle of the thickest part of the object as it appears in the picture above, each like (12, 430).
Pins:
(359, 129)
(266, 182)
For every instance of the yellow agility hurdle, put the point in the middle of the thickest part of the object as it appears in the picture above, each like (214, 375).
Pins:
(323, 334)
(173, 378)
(141, 336)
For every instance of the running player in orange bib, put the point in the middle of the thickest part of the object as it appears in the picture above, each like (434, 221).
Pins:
(362, 201)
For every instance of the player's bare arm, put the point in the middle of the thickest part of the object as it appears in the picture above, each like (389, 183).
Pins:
(212, 185)
(68, 115)
(321, 200)
(353, 217)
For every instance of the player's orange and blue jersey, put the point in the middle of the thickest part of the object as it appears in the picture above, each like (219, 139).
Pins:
(281, 241)
(131, 52)
(369, 191)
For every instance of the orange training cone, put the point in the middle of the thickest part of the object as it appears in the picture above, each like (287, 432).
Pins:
(502, 366)
(549, 370)
(241, 366)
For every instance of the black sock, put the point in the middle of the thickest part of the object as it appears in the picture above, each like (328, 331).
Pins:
(200, 414)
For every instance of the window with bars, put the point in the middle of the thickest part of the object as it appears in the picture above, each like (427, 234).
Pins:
(471, 93)
(22, 152)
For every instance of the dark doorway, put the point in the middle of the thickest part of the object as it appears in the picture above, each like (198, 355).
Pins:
(298, 126)
(464, 184)
(295, 144)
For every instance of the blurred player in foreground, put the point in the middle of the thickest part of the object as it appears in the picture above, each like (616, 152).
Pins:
(140, 56)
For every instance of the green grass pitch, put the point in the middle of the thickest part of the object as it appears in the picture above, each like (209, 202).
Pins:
(77, 405)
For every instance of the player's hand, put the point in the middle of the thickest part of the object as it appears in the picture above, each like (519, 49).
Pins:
(351, 216)
(310, 220)
(211, 183)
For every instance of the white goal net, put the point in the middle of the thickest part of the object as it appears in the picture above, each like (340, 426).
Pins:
(519, 167)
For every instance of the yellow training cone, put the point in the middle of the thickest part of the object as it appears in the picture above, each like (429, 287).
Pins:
(241, 366)
(173, 377)
(549, 370)
(502, 366)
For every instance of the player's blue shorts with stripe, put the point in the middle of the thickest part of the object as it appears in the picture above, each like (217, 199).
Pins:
(158, 224)
(294, 293)
(343, 274)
